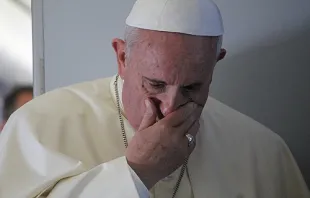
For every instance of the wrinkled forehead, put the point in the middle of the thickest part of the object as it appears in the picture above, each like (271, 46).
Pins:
(166, 46)
(173, 55)
(182, 42)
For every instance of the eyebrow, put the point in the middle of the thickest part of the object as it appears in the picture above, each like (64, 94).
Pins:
(197, 84)
(157, 81)
(154, 80)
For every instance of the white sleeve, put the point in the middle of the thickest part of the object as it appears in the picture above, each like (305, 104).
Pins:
(113, 179)
(28, 169)
(141, 188)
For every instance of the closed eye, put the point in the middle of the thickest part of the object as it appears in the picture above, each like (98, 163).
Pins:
(158, 85)
(193, 87)
(155, 84)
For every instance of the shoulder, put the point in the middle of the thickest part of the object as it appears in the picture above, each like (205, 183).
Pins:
(57, 110)
(82, 113)
(69, 100)
(239, 127)
(64, 114)
(254, 148)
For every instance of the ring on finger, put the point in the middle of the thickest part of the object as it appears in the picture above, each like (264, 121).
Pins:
(191, 139)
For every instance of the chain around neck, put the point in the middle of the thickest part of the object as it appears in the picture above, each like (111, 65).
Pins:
(184, 166)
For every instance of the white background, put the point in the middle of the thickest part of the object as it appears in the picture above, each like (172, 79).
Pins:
(15, 44)
(266, 74)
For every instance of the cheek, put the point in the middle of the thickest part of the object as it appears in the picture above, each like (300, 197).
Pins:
(133, 99)
(133, 105)
(132, 94)
(201, 97)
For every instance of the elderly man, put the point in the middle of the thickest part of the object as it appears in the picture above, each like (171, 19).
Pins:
(145, 132)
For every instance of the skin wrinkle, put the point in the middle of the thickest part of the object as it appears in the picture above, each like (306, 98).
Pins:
(177, 59)
(169, 70)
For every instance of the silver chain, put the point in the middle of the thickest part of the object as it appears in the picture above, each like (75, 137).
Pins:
(184, 167)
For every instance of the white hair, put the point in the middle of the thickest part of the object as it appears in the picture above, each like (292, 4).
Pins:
(131, 37)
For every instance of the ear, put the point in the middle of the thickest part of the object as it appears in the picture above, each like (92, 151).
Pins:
(119, 48)
(222, 55)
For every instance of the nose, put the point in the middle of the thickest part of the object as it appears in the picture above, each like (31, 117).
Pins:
(171, 100)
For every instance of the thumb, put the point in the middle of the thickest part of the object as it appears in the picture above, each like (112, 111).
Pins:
(149, 117)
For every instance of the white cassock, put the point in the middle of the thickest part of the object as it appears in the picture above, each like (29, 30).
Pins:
(68, 144)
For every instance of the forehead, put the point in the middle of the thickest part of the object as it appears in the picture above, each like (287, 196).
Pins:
(171, 56)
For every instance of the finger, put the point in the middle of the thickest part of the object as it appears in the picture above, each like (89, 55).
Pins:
(194, 129)
(150, 115)
(179, 116)
(188, 123)
(191, 148)
(188, 148)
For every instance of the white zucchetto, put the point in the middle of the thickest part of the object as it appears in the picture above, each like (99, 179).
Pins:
(193, 17)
